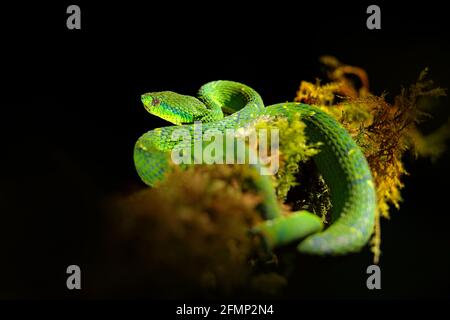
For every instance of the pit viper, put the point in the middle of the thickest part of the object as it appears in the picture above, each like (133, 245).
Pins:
(223, 105)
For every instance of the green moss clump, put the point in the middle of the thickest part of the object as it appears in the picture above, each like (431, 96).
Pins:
(294, 150)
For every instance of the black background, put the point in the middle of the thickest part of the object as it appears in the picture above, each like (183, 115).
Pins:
(71, 113)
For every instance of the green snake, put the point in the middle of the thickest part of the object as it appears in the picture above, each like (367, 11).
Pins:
(223, 105)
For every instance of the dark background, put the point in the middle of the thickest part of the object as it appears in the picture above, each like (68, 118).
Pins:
(71, 113)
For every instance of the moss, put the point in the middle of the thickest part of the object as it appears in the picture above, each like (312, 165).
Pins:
(294, 150)
(188, 237)
(385, 131)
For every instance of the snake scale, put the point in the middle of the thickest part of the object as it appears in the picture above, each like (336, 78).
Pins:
(340, 162)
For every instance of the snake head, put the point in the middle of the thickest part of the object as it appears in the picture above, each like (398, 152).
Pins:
(175, 108)
(165, 105)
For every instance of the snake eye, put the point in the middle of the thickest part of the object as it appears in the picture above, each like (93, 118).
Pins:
(155, 101)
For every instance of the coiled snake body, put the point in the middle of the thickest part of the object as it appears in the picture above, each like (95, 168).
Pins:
(340, 161)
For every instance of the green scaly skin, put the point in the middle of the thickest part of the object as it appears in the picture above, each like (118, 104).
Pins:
(340, 161)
